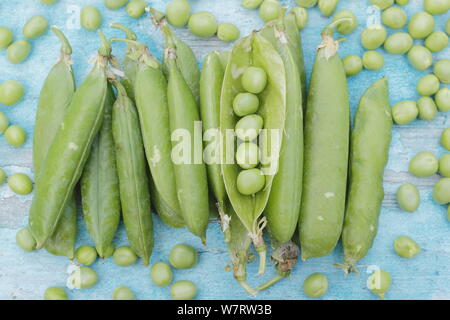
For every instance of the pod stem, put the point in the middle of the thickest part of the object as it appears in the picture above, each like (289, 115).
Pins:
(329, 30)
(105, 47)
(347, 267)
(262, 253)
(274, 280)
(224, 221)
(120, 88)
(66, 48)
(129, 34)
(247, 288)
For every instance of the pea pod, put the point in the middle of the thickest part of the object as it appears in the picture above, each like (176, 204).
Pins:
(368, 157)
(100, 185)
(257, 51)
(132, 172)
(69, 151)
(327, 127)
(55, 97)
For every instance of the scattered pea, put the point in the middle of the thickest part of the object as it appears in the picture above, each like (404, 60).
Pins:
(445, 138)
(48, 2)
(424, 164)
(270, 10)
(402, 2)
(408, 197)
(250, 181)
(136, 8)
(421, 25)
(86, 255)
(441, 191)
(301, 17)
(306, 3)
(6, 37)
(428, 85)
(379, 282)
(248, 127)
(327, 7)
(245, 103)
(427, 108)
(442, 99)
(382, 4)
(254, 80)
(247, 155)
(227, 32)
(203, 24)
(115, 4)
(178, 12)
(18, 51)
(124, 256)
(372, 60)
(183, 256)
(161, 274)
(35, 27)
(315, 285)
(25, 239)
(398, 43)
(420, 57)
(405, 112)
(352, 64)
(436, 41)
(55, 293)
(251, 4)
(444, 165)
(373, 37)
(83, 278)
(437, 6)
(2, 176)
(15, 136)
(183, 290)
(347, 26)
(4, 122)
(20, 183)
(394, 17)
(123, 293)
(442, 70)
(90, 18)
(11, 92)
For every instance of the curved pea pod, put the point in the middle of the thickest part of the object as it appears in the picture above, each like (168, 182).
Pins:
(326, 132)
(100, 185)
(210, 90)
(283, 207)
(187, 149)
(55, 97)
(257, 51)
(69, 151)
(132, 172)
(370, 140)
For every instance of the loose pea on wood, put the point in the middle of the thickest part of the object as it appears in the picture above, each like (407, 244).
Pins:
(427, 108)
(424, 164)
(408, 197)
(405, 112)
(444, 165)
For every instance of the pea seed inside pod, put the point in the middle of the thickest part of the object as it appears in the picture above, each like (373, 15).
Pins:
(254, 80)
(248, 127)
(247, 155)
(245, 104)
(250, 181)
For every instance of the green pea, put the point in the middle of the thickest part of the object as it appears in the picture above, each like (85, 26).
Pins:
(382, 4)
(327, 7)
(244, 104)
(123, 293)
(115, 4)
(352, 64)
(442, 99)
(408, 197)
(2, 176)
(270, 10)
(379, 282)
(420, 57)
(86, 255)
(251, 4)
(203, 24)
(4, 122)
(90, 18)
(15, 136)
(421, 25)
(442, 70)
(301, 17)
(55, 293)
(424, 164)
(254, 80)
(35, 27)
(247, 155)
(178, 12)
(447, 26)
(161, 274)
(373, 60)
(6, 37)
(373, 37)
(227, 32)
(124, 256)
(444, 165)
(441, 191)
(83, 278)
(427, 108)
(315, 285)
(20, 183)
(428, 85)
(445, 138)
(18, 51)
(25, 239)
(437, 6)
(347, 26)
(136, 8)
(250, 181)
(11, 92)
(306, 3)
(405, 112)
(394, 17)
(248, 127)
(402, 2)
(183, 290)
(436, 41)
(48, 2)
(398, 43)
(183, 256)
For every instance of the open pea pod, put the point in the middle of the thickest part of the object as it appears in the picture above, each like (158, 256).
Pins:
(253, 50)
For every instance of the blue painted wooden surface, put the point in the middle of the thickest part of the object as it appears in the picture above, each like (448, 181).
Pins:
(26, 275)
